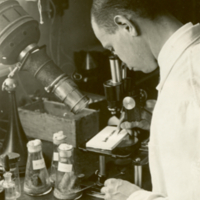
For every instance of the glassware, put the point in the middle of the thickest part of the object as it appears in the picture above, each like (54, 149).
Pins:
(58, 138)
(9, 163)
(14, 169)
(2, 171)
(37, 181)
(66, 186)
(2, 192)
(9, 187)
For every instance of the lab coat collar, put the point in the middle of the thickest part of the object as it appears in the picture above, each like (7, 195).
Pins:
(173, 49)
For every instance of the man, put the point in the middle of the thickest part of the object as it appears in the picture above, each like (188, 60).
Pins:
(143, 35)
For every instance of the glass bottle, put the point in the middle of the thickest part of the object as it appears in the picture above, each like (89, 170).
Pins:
(66, 186)
(37, 181)
(2, 171)
(58, 138)
(9, 187)
(2, 192)
(14, 169)
(9, 163)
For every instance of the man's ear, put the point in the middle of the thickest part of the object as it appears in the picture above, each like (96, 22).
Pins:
(125, 24)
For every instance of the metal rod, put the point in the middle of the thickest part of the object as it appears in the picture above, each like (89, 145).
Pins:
(113, 70)
(118, 71)
(136, 175)
(87, 61)
(102, 165)
(124, 71)
(140, 176)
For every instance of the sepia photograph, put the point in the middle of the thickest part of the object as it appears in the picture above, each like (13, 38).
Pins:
(99, 100)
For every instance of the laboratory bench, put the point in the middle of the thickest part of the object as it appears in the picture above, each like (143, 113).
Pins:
(87, 163)
(50, 196)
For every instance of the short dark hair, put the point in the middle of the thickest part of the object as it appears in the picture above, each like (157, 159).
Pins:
(103, 11)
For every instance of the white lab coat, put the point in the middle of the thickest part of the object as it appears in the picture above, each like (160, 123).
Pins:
(174, 148)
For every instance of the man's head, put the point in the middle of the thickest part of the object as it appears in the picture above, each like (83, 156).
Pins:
(118, 25)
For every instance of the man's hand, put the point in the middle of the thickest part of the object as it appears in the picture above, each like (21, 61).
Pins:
(143, 124)
(117, 189)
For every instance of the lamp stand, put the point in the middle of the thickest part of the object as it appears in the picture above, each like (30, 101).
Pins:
(15, 139)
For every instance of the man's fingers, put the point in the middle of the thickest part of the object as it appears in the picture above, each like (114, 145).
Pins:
(103, 190)
(126, 125)
(143, 124)
(110, 181)
(107, 191)
(109, 186)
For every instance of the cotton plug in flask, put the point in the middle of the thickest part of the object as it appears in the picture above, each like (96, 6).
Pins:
(66, 186)
(58, 138)
(37, 181)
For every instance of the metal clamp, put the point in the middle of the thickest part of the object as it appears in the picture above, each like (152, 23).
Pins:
(24, 55)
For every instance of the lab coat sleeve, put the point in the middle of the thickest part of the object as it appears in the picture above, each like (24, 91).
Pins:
(190, 134)
(194, 60)
(145, 195)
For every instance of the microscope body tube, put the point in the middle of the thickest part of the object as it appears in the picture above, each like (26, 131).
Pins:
(115, 70)
(54, 80)
(114, 88)
(113, 94)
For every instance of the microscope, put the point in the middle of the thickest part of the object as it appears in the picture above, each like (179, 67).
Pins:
(126, 103)
(121, 92)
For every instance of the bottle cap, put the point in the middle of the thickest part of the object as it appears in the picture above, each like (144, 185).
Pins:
(7, 176)
(34, 145)
(59, 137)
(65, 150)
